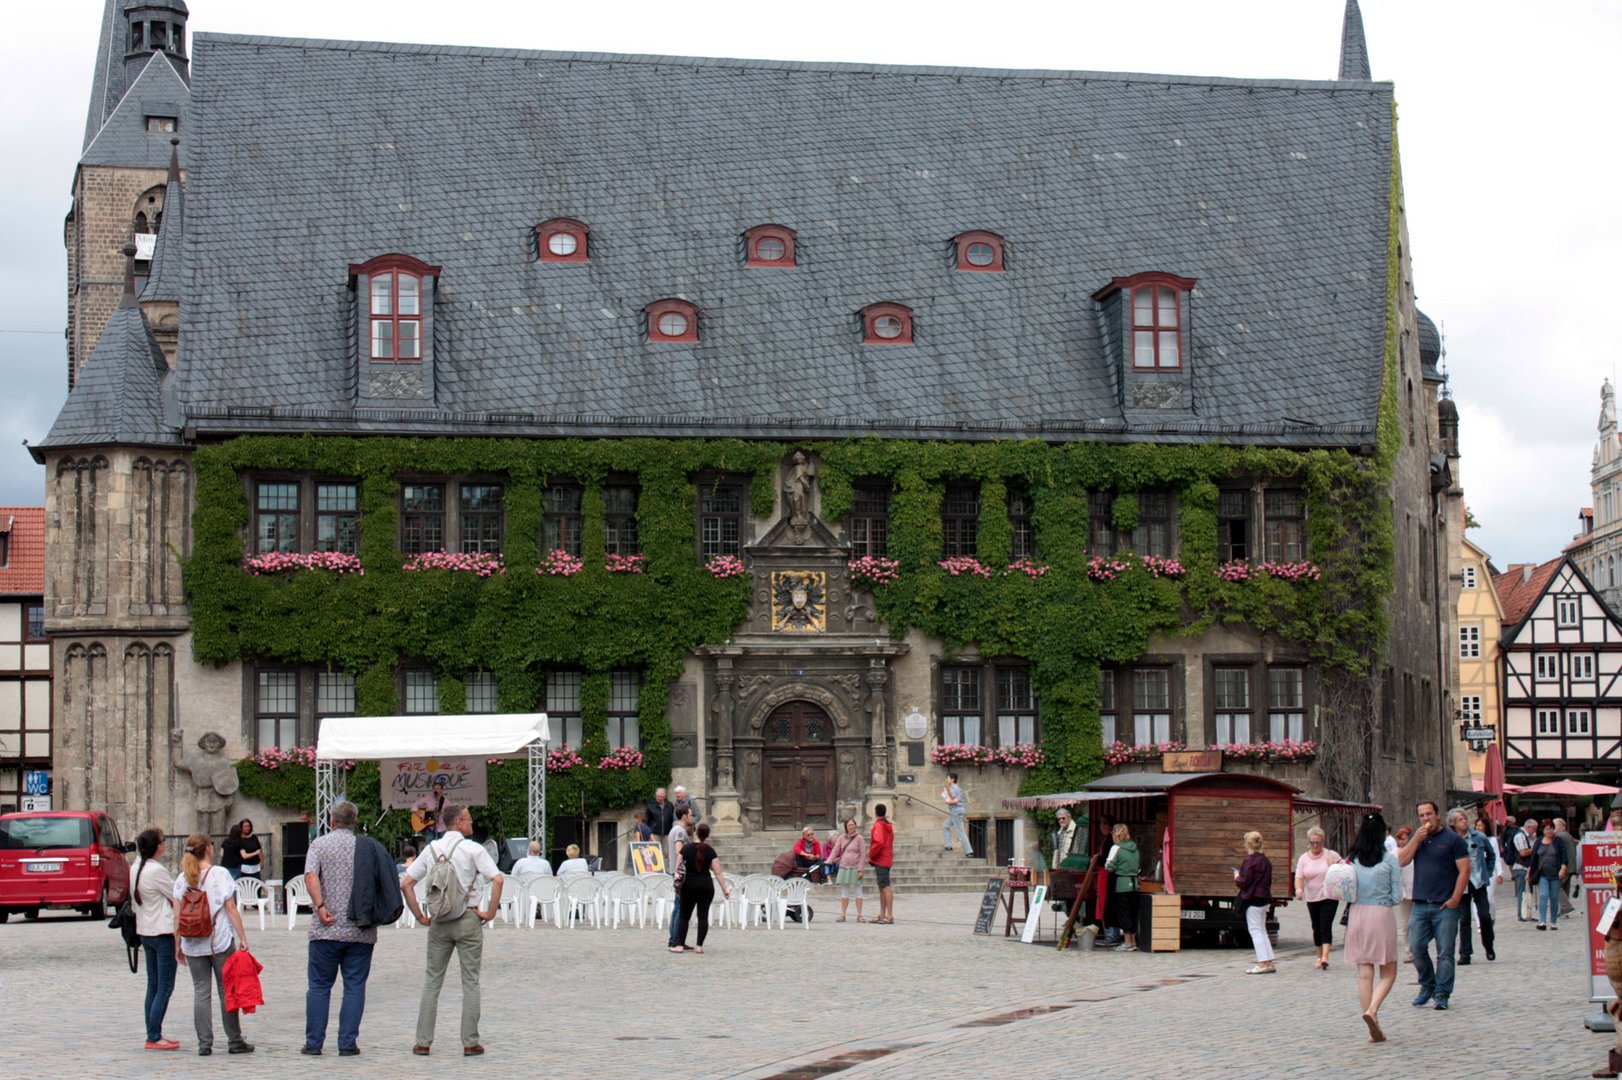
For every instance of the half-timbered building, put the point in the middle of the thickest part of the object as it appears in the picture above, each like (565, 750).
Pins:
(1561, 664)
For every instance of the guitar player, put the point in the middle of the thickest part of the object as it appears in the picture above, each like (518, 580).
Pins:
(427, 817)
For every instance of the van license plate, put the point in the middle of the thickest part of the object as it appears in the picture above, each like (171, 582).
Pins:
(41, 867)
(1194, 913)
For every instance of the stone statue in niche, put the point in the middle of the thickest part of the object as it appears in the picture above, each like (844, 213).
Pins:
(797, 496)
(213, 775)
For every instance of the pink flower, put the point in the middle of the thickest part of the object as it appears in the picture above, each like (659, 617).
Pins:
(959, 565)
(725, 566)
(559, 563)
(872, 570)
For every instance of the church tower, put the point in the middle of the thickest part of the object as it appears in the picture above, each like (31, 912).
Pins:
(138, 99)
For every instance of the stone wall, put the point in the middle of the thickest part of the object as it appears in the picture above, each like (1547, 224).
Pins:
(105, 202)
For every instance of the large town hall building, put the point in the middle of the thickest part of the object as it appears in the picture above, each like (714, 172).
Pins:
(810, 428)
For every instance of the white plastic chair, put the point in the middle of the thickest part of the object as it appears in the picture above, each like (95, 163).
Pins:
(794, 891)
(253, 893)
(543, 891)
(659, 892)
(624, 893)
(297, 896)
(755, 901)
(581, 894)
(407, 920)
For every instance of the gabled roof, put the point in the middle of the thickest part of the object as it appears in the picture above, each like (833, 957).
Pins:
(1518, 591)
(24, 571)
(164, 275)
(118, 396)
(1272, 193)
(123, 139)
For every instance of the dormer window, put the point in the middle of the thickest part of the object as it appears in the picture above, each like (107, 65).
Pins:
(394, 291)
(672, 320)
(979, 251)
(886, 324)
(1157, 306)
(770, 246)
(562, 240)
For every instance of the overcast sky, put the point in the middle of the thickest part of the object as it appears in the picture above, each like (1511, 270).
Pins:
(1506, 120)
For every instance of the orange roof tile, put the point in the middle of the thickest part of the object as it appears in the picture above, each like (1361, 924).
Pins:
(24, 571)
(1517, 592)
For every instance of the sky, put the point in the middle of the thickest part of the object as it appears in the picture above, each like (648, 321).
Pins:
(1506, 127)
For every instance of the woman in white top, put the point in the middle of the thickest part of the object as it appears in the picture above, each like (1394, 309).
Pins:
(574, 864)
(153, 893)
(206, 956)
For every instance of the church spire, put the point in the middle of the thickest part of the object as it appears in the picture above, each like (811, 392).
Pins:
(1354, 50)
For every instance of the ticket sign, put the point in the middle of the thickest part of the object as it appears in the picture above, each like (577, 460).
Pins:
(1602, 859)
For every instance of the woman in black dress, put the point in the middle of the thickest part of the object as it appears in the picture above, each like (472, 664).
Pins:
(697, 890)
(241, 854)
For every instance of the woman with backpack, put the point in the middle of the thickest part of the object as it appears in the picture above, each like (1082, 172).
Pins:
(1371, 926)
(1123, 865)
(153, 896)
(208, 930)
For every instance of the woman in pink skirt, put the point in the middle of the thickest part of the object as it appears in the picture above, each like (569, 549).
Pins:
(1371, 929)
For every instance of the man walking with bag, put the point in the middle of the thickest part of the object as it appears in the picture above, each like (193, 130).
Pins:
(336, 942)
(452, 867)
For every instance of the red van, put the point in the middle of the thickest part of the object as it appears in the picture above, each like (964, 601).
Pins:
(61, 859)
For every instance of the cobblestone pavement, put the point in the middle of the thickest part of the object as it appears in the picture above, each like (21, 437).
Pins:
(924, 997)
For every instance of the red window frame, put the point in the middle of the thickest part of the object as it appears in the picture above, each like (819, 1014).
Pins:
(671, 306)
(1156, 328)
(964, 241)
(395, 265)
(563, 227)
(751, 245)
(874, 312)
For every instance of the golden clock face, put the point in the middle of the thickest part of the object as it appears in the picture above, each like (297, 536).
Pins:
(800, 601)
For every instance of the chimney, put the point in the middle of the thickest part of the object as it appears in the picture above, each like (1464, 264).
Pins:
(1526, 572)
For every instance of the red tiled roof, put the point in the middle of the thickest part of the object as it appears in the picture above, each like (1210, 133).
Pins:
(24, 572)
(1518, 592)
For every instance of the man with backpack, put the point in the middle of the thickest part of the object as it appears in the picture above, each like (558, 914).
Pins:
(451, 868)
(337, 941)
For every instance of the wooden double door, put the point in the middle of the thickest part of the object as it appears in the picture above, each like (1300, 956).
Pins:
(799, 775)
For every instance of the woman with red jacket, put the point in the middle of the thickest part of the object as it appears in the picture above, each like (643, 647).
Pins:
(880, 856)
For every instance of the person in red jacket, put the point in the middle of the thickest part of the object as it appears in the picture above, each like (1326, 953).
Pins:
(880, 856)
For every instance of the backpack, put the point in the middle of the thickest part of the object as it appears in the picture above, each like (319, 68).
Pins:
(193, 919)
(447, 899)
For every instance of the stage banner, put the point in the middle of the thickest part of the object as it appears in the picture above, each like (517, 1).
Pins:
(405, 780)
(1601, 859)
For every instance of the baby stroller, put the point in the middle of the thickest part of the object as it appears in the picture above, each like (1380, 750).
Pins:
(786, 866)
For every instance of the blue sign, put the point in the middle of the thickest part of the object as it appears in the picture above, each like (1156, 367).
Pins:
(36, 782)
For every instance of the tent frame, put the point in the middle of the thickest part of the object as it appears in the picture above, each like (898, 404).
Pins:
(331, 787)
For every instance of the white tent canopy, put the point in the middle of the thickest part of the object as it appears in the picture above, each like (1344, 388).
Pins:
(368, 737)
(346, 738)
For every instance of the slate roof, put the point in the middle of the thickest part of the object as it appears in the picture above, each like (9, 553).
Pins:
(24, 571)
(308, 156)
(1354, 48)
(1430, 347)
(164, 276)
(1518, 592)
(124, 140)
(118, 398)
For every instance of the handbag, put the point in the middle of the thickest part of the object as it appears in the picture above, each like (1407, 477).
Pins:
(1340, 883)
(123, 921)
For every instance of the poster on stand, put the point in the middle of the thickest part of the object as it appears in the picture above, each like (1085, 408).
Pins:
(1601, 861)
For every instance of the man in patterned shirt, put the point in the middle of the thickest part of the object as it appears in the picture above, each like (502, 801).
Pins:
(336, 943)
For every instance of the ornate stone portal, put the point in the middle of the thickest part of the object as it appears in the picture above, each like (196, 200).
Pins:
(799, 705)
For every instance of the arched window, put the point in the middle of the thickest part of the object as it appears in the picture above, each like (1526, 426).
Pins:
(672, 320)
(979, 251)
(563, 240)
(393, 292)
(886, 324)
(769, 246)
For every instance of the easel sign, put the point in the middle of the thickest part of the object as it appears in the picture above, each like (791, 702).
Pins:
(1039, 894)
(988, 906)
(647, 857)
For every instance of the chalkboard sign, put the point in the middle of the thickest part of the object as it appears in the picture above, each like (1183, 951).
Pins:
(988, 906)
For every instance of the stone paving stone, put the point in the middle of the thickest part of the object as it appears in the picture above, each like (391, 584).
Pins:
(872, 1001)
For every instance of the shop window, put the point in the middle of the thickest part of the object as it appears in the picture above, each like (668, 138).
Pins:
(561, 517)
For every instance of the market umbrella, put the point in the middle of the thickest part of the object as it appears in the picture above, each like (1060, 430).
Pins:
(1572, 788)
(1492, 780)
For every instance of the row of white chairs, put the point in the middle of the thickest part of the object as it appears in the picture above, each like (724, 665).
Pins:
(601, 899)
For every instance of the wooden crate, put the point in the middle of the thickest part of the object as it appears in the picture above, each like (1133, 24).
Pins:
(1165, 921)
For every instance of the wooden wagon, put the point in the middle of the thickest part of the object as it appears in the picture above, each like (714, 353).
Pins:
(1190, 830)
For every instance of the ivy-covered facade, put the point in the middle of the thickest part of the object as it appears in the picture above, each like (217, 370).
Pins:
(800, 502)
